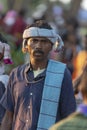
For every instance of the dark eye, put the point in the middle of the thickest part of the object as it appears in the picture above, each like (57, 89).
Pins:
(34, 40)
(44, 41)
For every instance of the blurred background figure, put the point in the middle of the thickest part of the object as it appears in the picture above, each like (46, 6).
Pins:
(76, 85)
(14, 25)
(5, 59)
(80, 58)
(1, 17)
(9, 20)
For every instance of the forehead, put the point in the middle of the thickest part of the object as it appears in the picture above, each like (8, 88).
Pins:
(38, 38)
(43, 39)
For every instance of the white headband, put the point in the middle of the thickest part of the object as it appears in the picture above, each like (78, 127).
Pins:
(41, 32)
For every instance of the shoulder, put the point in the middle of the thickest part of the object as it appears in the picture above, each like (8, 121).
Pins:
(18, 72)
(56, 65)
(57, 62)
(67, 80)
(61, 67)
(18, 69)
(67, 72)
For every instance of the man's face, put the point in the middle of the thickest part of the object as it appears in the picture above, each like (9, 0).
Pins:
(39, 48)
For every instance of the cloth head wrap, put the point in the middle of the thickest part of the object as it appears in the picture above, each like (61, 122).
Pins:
(41, 32)
(7, 56)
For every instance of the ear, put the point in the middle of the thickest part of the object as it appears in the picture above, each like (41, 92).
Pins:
(24, 46)
(24, 50)
(51, 47)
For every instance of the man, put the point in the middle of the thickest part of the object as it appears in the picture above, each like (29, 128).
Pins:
(4, 59)
(40, 92)
(77, 120)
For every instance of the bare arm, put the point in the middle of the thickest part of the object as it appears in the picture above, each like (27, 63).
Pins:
(7, 121)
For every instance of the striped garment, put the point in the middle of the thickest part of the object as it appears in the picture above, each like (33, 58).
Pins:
(51, 94)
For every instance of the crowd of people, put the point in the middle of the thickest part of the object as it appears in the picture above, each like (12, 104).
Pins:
(13, 23)
(52, 84)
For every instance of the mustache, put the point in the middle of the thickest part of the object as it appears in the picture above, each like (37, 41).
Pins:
(38, 51)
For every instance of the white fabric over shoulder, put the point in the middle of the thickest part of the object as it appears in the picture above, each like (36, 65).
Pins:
(4, 79)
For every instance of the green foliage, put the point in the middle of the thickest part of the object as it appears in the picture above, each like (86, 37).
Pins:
(17, 58)
(16, 54)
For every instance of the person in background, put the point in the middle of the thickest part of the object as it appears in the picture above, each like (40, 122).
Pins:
(9, 20)
(76, 85)
(80, 59)
(77, 120)
(4, 59)
(18, 28)
(14, 24)
(40, 92)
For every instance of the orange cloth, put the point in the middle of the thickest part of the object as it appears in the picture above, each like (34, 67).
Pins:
(79, 63)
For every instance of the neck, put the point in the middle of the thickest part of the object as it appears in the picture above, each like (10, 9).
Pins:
(38, 64)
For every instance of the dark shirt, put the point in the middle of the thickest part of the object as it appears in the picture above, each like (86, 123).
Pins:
(2, 110)
(24, 93)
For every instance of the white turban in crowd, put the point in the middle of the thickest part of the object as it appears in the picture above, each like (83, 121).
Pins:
(5, 49)
(42, 32)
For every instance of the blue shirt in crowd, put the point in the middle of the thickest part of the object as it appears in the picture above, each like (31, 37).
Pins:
(2, 110)
(24, 93)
